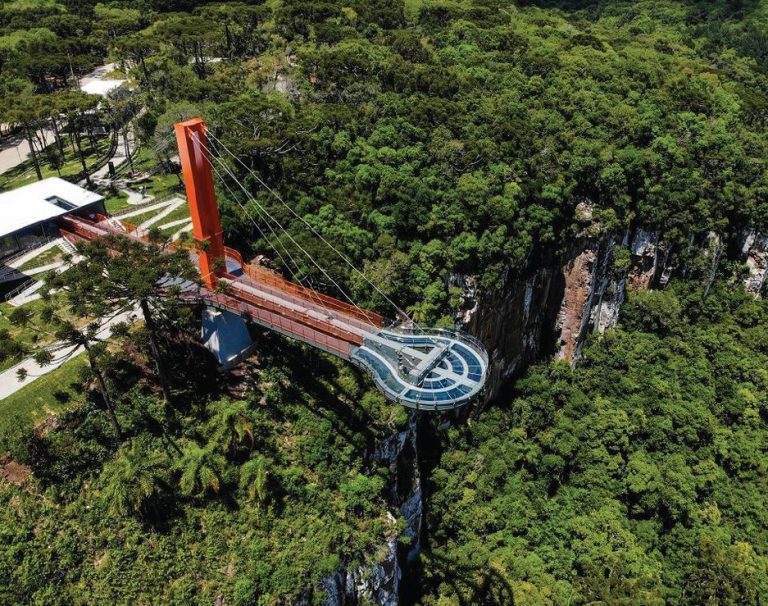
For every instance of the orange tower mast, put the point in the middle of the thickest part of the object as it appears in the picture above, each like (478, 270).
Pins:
(196, 166)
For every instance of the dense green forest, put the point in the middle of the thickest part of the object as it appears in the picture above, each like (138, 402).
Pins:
(638, 478)
(425, 138)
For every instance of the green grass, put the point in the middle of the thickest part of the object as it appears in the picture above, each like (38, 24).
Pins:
(115, 74)
(50, 394)
(46, 258)
(116, 202)
(139, 219)
(161, 186)
(27, 337)
(182, 212)
(24, 173)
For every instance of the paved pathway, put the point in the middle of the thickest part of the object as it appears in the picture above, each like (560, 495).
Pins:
(174, 204)
(175, 223)
(9, 270)
(184, 229)
(143, 209)
(31, 293)
(135, 198)
(21, 260)
(96, 83)
(9, 381)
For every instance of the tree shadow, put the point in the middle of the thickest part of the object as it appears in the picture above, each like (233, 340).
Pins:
(304, 368)
(472, 585)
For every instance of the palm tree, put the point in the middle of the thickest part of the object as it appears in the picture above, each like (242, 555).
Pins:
(230, 426)
(201, 470)
(133, 480)
(253, 479)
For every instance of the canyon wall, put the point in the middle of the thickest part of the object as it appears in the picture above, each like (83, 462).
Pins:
(549, 307)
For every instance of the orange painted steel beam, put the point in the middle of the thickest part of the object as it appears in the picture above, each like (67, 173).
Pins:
(201, 195)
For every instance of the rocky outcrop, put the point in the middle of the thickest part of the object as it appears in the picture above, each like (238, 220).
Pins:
(552, 305)
(579, 278)
(516, 322)
(378, 584)
(649, 261)
(755, 250)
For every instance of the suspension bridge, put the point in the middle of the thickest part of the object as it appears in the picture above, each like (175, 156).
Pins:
(424, 369)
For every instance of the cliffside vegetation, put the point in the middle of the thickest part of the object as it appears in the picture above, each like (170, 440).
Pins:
(424, 138)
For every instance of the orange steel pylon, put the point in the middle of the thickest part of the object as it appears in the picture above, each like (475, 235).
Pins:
(201, 195)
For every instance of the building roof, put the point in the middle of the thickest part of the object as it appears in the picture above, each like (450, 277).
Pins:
(41, 201)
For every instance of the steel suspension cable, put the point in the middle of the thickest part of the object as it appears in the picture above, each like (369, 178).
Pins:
(314, 295)
(362, 312)
(256, 224)
(314, 231)
(247, 214)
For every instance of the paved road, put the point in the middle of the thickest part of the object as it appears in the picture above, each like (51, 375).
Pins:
(15, 150)
(9, 381)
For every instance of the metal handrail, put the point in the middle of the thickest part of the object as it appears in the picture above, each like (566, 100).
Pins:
(19, 289)
(24, 251)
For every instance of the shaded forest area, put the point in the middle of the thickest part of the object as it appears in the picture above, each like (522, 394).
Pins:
(425, 139)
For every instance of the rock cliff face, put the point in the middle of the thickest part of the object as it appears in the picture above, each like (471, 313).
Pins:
(755, 251)
(379, 582)
(550, 307)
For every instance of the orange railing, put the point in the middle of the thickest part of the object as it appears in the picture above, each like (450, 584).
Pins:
(267, 277)
(264, 276)
(283, 310)
(272, 319)
(284, 318)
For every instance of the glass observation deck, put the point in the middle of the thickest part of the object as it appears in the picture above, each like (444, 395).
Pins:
(432, 370)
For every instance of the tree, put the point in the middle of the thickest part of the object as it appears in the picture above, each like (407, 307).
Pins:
(133, 481)
(52, 324)
(76, 105)
(26, 108)
(230, 427)
(253, 478)
(201, 469)
(122, 108)
(135, 48)
(120, 272)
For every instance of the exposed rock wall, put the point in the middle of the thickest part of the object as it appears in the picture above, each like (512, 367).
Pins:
(516, 323)
(378, 584)
(580, 277)
(755, 251)
(552, 305)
